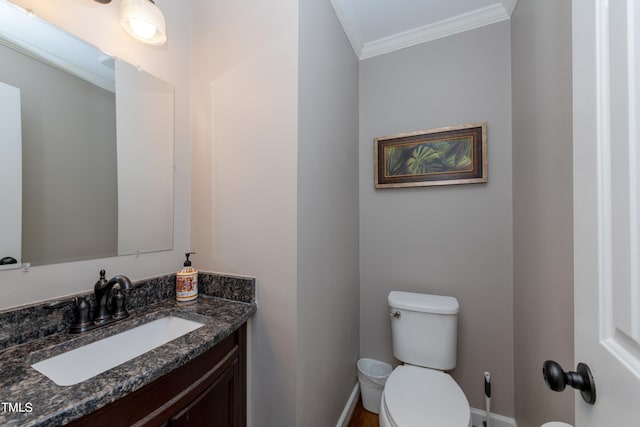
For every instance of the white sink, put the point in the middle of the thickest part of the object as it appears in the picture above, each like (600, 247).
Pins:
(87, 361)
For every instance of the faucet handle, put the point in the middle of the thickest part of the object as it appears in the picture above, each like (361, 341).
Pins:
(119, 310)
(102, 281)
(82, 321)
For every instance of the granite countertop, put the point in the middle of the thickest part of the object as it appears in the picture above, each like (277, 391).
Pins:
(28, 398)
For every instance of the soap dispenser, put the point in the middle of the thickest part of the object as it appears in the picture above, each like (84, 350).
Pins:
(187, 281)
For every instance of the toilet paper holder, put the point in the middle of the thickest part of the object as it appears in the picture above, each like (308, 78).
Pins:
(557, 379)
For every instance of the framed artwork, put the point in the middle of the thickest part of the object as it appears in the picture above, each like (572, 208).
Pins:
(444, 156)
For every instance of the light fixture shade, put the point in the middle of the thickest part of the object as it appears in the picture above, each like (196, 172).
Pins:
(143, 20)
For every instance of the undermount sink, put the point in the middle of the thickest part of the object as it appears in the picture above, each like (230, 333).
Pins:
(87, 361)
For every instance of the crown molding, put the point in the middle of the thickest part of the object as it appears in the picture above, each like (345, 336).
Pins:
(447, 27)
(509, 5)
(500, 11)
(349, 28)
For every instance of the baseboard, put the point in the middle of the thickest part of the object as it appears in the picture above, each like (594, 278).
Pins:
(349, 407)
(477, 415)
(495, 420)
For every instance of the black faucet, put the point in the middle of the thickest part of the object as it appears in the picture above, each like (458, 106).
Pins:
(102, 316)
(102, 290)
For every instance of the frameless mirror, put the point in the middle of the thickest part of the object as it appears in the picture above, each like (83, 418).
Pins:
(86, 149)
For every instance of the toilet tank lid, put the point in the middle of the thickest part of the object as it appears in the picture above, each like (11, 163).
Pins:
(436, 304)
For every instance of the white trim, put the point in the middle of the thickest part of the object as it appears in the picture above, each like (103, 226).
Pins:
(498, 12)
(477, 415)
(509, 6)
(349, 28)
(495, 420)
(447, 27)
(345, 417)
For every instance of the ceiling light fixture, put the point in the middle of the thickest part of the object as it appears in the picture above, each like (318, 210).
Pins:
(143, 20)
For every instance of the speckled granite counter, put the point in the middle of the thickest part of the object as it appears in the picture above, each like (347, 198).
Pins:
(28, 398)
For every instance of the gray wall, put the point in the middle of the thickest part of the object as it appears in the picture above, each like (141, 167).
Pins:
(328, 282)
(542, 204)
(451, 240)
(70, 201)
(244, 185)
(275, 158)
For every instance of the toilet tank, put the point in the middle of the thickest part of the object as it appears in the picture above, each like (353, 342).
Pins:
(424, 329)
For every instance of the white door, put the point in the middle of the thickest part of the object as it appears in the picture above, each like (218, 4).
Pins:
(606, 161)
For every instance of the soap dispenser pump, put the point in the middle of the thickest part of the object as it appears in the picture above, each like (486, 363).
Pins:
(187, 281)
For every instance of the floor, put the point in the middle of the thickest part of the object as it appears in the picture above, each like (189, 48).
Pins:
(363, 418)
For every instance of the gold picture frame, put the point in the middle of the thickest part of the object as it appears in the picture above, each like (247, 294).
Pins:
(444, 156)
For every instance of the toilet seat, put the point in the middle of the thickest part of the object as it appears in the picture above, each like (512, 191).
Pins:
(422, 397)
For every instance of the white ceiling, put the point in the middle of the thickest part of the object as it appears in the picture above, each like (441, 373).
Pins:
(375, 27)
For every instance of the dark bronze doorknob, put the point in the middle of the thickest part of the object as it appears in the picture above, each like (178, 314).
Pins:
(557, 379)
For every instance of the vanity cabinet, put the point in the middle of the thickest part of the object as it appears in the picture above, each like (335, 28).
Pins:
(209, 390)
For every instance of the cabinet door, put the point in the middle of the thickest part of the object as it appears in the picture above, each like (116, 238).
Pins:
(209, 390)
(217, 406)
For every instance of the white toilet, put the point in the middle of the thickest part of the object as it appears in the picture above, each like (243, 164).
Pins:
(419, 393)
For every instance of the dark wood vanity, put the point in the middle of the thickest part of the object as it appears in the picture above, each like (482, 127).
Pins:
(209, 390)
(197, 379)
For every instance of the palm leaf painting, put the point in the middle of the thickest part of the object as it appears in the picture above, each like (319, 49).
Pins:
(442, 156)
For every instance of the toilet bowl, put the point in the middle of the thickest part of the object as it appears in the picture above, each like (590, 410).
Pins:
(556, 424)
(420, 397)
(420, 393)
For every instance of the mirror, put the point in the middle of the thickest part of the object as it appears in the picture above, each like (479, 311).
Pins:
(86, 149)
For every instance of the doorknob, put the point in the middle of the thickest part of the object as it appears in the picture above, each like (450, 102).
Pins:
(557, 379)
